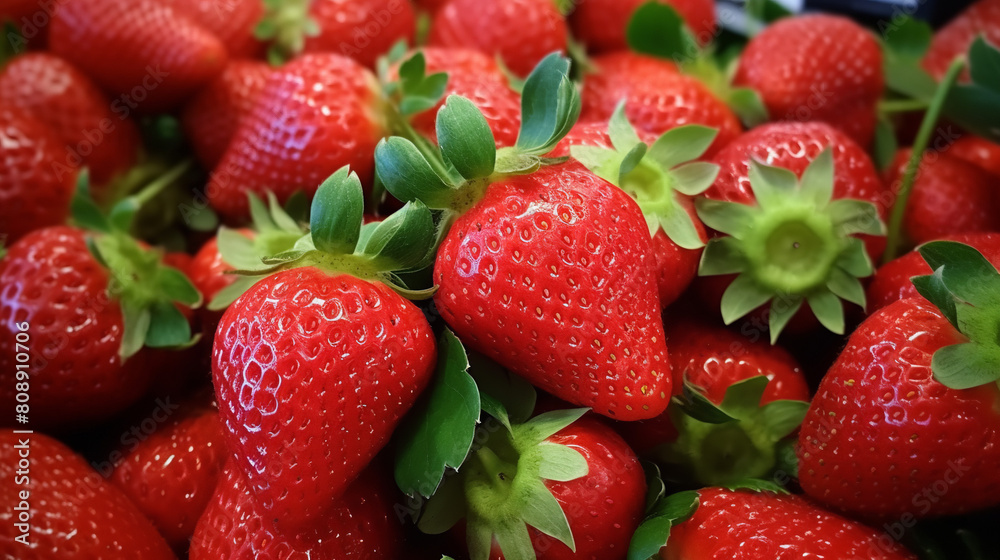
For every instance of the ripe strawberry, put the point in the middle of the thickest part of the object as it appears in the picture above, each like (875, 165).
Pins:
(601, 24)
(361, 29)
(171, 475)
(34, 190)
(949, 196)
(360, 525)
(892, 280)
(663, 99)
(213, 116)
(890, 432)
(314, 116)
(955, 38)
(51, 90)
(520, 32)
(148, 56)
(977, 151)
(747, 525)
(232, 22)
(817, 68)
(71, 512)
(812, 249)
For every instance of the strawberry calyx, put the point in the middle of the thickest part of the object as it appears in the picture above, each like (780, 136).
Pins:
(966, 288)
(657, 176)
(286, 25)
(795, 245)
(454, 176)
(501, 489)
(732, 441)
(148, 291)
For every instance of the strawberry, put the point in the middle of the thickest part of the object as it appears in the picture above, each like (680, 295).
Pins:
(601, 24)
(51, 90)
(978, 151)
(214, 115)
(954, 39)
(35, 189)
(171, 475)
(149, 56)
(315, 115)
(817, 68)
(232, 22)
(519, 32)
(360, 525)
(794, 240)
(892, 280)
(905, 422)
(61, 508)
(361, 29)
(949, 196)
(531, 247)
(662, 100)
(747, 525)
(294, 419)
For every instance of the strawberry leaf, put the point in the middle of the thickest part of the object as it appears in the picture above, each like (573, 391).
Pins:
(420, 92)
(167, 327)
(550, 105)
(748, 106)
(965, 271)
(755, 485)
(135, 324)
(657, 29)
(964, 366)
(886, 144)
(337, 213)
(465, 138)
(933, 289)
(681, 145)
(403, 240)
(693, 403)
(510, 391)
(766, 11)
(653, 533)
(408, 175)
(84, 210)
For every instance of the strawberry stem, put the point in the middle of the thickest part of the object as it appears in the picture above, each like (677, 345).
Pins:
(901, 106)
(919, 147)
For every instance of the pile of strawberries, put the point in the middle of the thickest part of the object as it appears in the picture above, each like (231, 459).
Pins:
(604, 279)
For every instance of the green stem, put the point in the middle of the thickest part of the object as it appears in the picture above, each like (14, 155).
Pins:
(400, 126)
(901, 106)
(162, 182)
(919, 147)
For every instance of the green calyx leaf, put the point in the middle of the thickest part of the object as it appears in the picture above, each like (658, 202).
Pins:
(286, 25)
(906, 42)
(84, 211)
(794, 245)
(657, 29)
(337, 213)
(408, 175)
(466, 140)
(415, 91)
(966, 288)
(654, 531)
(974, 106)
(550, 105)
(766, 11)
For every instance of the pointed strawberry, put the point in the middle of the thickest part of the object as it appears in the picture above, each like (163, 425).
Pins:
(979, 152)
(232, 22)
(906, 422)
(147, 55)
(954, 39)
(601, 24)
(531, 247)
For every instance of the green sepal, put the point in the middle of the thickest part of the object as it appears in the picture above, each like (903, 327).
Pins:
(974, 105)
(337, 212)
(657, 29)
(465, 138)
(408, 175)
(964, 366)
(766, 11)
(444, 509)
(681, 145)
(513, 393)
(965, 272)
(135, 325)
(403, 240)
(167, 327)
(748, 106)
(561, 463)
(782, 311)
(419, 92)
(742, 296)
(932, 288)
(84, 210)
(226, 296)
(550, 105)
(755, 485)
(286, 25)
(693, 403)
(176, 286)
(654, 531)
(904, 47)
(886, 145)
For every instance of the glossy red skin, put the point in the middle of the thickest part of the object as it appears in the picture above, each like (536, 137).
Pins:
(213, 116)
(52, 91)
(600, 24)
(171, 475)
(979, 152)
(521, 32)
(34, 193)
(552, 275)
(949, 196)
(676, 266)
(74, 513)
(312, 374)
(744, 525)
(361, 29)
(315, 115)
(360, 525)
(663, 99)
(51, 280)
(231, 21)
(955, 38)
(817, 68)
(882, 435)
(476, 77)
(147, 56)
(892, 280)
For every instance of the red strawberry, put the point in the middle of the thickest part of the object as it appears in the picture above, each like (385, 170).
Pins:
(885, 438)
(148, 56)
(231, 21)
(663, 99)
(954, 39)
(361, 29)
(69, 512)
(978, 151)
(601, 24)
(35, 189)
(520, 32)
(171, 475)
(314, 116)
(360, 525)
(949, 196)
(817, 68)
(892, 280)
(51, 90)
(746, 525)
(212, 118)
